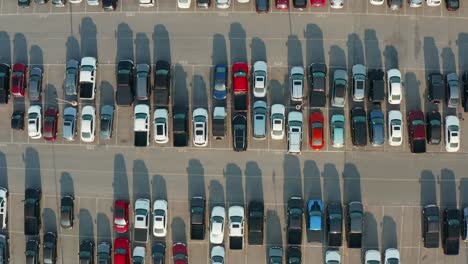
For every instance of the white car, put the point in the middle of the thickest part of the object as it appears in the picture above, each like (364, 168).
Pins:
(415, 3)
(433, 2)
(377, 2)
(295, 132)
(297, 83)
(88, 123)
(3, 207)
(93, 2)
(242, 1)
(259, 77)
(223, 4)
(75, 1)
(394, 86)
(161, 126)
(332, 257)
(183, 4)
(452, 133)
(200, 127)
(217, 255)
(218, 215)
(146, 3)
(35, 122)
(337, 4)
(277, 121)
(160, 218)
(372, 257)
(392, 256)
(395, 128)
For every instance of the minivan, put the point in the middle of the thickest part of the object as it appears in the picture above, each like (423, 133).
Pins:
(453, 90)
(431, 226)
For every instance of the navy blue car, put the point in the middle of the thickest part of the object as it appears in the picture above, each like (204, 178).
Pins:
(220, 82)
(315, 211)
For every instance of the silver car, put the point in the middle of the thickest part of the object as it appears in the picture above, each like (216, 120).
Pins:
(35, 84)
(142, 88)
(340, 85)
(259, 119)
(69, 123)
(71, 77)
(359, 82)
(107, 120)
(453, 90)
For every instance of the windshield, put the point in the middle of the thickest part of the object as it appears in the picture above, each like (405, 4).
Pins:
(359, 119)
(140, 116)
(87, 68)
(179, 256)
(121, 251)
(418, 122)
(393, 261)
(240, 74)
(395, 80)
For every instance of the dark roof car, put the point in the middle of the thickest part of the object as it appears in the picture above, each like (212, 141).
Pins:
(436, 88)
(197, 218)
(71, 77)
(300, 4)
(451, 231)
(24, 3)
(35, 84)
(49, 251)
(32, 252)
(358, 126)
(354, 224)
(17, 120)
(416, 131)
(142, 82)
(40, 2)
(239, 132)
(50, 124)
(18, 80)
(86, 253)
(255, 223)
(158, 253)
(125, 94)
(4, 250)
(376, 85)
(203, 3)
(433, 127)
(162, 82)
(107, 120)
(4, 83)
(104, 252)
(59, 3)
(465, 92)
(334, 224)
(32, 211)
(452, 5)
(67, 212)
(395, 4)
(294, 220)
(220, 82)
(376, 127)
(318, 84)
(431, 223)
(109, 5)
(293, 255)
(262, 6)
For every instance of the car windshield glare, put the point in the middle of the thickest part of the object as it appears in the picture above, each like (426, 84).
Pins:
(240, 74)
(418, 122)
(318, 74)
(395, 79)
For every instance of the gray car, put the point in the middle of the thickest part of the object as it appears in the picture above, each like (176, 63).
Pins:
(359, 82)
(259, 119)
(104, 252)
(453, 90)
(275, 255)
(69, 123)
(35, 84)
(142, 82)
(71, 77)
(340, 85)
(107, 120)
(377, 128)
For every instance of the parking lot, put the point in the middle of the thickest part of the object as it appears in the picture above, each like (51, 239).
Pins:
(392, 183)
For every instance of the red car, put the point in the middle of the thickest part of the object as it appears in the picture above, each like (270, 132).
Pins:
(179, 253)
(317, 3)
(50, 124)
(121, 251)
(316, 130)
(240, 84)
(416, 131)
(18, 80)
(282, 4)
(121, 216)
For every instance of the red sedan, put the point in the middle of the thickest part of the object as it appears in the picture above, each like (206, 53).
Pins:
(317, 3)
(316, 130)
(18, 80)
(179, 253)
(121, 251)
(50, 124)
(282, 4)
(121, 216)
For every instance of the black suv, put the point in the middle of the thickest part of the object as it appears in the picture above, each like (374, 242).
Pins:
(354, 224)
(318, 84)
(294, 213)
(67, 212)
(436, 88)
(162, 83)
(293, 255)
(4, 83)
(32, 252)
(125, 94)
(239, 132)
(359, 127)
(197, 218)
(86, 254)
(334, 224)
(451, 231)
(49, 252)
(433, 128)
(255, 223)
(465, 92)
(430, 226)
(32, 212)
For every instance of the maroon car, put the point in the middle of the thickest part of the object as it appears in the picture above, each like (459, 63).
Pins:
(416, 131)
(50, 124)
(18, 80)
(282, 4)
(179, 253)
(317, 3)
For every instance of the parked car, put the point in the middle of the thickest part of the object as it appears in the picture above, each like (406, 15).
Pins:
(86, 254)
(316, 131)
(200, 127)
(143, 82)
(259, 117)
(377, 128)
(49, 251)
(217, 255)
(295, 132)
(465, 92)
(315, 212)
(334, 224)
(197, 218)
(294, 215)
(297, 84)
(122, 250)
(18, 80)
(35, 84)
(433, 127)
(35, 121)
(453, 90)
(69, 123)
(464, 230)
(318, 84)
(275, 255)
(217, 219)
(415, 3)
(317, 3)
(416, 131)
(3, 207)
(67, 211)
(104, 251)
(436, 88)
(282, 4)
(372, 256)
(203, 3)
(392, 256)
(340, 85)
(300, 4)
(431, 223)
(71, 77)
(88, 123)
(337, 130)
(4, 249)
(160, 218)
(239, 132)
(125, 93)
(262, 6)
(223, 4)
(24, 3)
(293, 255)
(32, 211)
(109, 5)
(183, 4)
(332, 257)
(162, 81)
(358, 127)
(161, 126)
(121, 218)
(17, 120)
(256, 219)
(452, 5)
(336, 4)
(433, 2)
(354, 224)
(50, 124)
(395, 128)
(32, 251)
(394, 86)
(376, 93)
(4, 83)
(395, 5)
(158, 253)
(179, 253)
(259, 76)
(452, 133)
(277, 117)
(220, 80)
(106, 121)
(451, 231)
(359, 82)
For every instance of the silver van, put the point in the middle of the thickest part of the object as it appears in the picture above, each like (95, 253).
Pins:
(453, 90)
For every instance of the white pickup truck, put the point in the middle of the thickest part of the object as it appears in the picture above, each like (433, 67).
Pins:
(141, 125)
(141, 223)
(87, 78)
(236, 227)
(294, 132)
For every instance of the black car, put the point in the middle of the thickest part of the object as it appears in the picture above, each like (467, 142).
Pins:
(17, 120)
(4, 83)
(4, 250)
(125, 94)
(376, 86)
(435, 88)
(430, 226)
(86, 254)
(109, 5)
(158, 252)
(162, 83)
(358, 127)
(300, 4)
(433, 128)
(32, 252)
(294, 220)
(465, 92)
(32, 212)
(452, 5)
(180, 126)
(49, 251)
(262, 6)
(451, 231)
(239, 132)
(67, 212)
(24, 3)
(197, 218)
(255, 225)
(59, 3)
(395, 4)
(203, 3)
(354, 224)
(318, 84)
(293, 255)
(334, 224)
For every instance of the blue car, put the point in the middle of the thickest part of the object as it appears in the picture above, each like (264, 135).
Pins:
(315, 211)
(220, 82)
